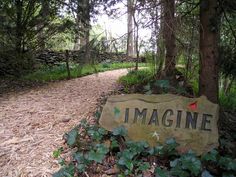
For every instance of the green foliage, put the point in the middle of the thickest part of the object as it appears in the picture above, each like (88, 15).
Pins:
(97, 134)
(120, 131)
(167, 149)
(228, 101)
(131, 157)
(67, 171)
(25, 27)
(161, 173)
(136, 77)
(206, 173)
(57, 152)
(187, 165)
(72, 137)
(227, 164)
(46, 74)
(211, 156)
(129, 160)
(162, 83)
(99, 154)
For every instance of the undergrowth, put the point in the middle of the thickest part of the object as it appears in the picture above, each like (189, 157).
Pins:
(144, 79)
(59, 72)
(136, 77)
(228, 101)
(93, 148)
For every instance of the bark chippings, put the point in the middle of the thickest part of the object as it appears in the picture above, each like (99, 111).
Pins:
(32, 123)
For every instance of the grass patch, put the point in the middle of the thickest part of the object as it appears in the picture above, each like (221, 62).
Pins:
(228, 101)
(136, 77)
(46, 74)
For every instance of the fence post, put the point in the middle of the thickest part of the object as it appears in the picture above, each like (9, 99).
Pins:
(67, 64)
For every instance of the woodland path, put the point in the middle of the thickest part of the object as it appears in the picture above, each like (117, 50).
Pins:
(32, 123)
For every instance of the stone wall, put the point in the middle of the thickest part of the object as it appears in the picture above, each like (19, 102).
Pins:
(55, 57)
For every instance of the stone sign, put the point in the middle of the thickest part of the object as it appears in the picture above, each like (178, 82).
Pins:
(154, 118)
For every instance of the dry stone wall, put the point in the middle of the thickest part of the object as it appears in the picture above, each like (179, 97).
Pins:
(55, 57)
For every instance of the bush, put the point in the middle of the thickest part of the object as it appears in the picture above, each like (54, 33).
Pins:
(12, 63)
(133, 158)
(228, 101)
(136, 77)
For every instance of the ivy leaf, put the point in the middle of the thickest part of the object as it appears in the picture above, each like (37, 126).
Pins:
(162, 83)
(97, 115)
(116, 112)
(174, 163)
(71, 137)
(99, 154)
(81, 167)
(121, 130)
(102, 131)
(96, 156)
(148, 92)
(192, 163)
(143, 166)
(228, 174)
(67, 171)
(170, 147)
(127, 162)
(178, 171)
(147, 87)
(79, 157)
(206, 173)
(95, 135)
(170, 141)
(227, 163)
(210, 156)
(114, 144)
(101, 148)
(137, 146)
(160, 172)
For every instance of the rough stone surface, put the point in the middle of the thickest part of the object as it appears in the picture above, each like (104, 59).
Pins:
(55, 57)
(154, 118)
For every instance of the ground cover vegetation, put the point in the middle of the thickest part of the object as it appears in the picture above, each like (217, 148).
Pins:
(60, 72)
(191, 52)
(97, 152)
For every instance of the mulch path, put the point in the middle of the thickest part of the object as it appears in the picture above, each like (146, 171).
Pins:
(32, 122)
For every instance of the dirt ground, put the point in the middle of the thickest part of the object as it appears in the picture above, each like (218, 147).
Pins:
(33, 122)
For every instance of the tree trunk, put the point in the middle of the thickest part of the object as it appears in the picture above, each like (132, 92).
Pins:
(87, 30)
(169, 36)
(159, 39)
(19, 32)
(130, 37)
(83, 25)
(189, 52)
(44, 12)
(208, 77)
(229, 85)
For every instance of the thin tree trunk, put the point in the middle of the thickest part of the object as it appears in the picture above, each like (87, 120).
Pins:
(19, 33)
(229, 85)
(87, 30)
(77, 32)
(208, 77)
(136, 44)
(44, 12)
(130, 37)
(159, 40)
(189, 52)
(83, 25)
(169, 36)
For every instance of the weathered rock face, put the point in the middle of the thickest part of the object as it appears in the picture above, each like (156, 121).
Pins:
(154, 118)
